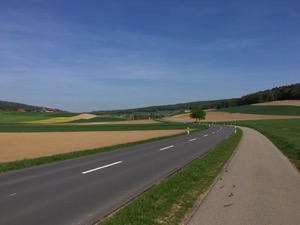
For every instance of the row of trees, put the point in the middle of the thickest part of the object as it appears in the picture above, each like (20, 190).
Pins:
(157, 109)
(142, 116)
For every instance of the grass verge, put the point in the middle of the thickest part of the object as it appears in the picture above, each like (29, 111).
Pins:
(170, 200)
(285, 134)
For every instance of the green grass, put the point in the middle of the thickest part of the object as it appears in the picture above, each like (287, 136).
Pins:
(102, 127)
(264, 110)
(7, 117)
(170, 200)
(285, 134)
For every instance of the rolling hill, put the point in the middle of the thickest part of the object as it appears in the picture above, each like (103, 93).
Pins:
(288, 92)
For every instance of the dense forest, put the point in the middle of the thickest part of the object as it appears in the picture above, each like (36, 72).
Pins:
(289, 92)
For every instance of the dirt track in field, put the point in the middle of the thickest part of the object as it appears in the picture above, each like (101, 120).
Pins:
(16, 146)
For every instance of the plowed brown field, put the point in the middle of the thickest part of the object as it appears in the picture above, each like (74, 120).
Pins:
(16, 146)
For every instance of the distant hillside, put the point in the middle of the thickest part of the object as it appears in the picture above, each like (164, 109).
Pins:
(289, 92)
(163, 108)
(13, 106)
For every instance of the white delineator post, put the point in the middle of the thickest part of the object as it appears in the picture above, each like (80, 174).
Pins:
(188, 130)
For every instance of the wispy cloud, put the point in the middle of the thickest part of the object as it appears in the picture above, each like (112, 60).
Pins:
(51, 49)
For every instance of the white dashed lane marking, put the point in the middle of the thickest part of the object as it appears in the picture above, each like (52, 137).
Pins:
(165, 148)
(101, 167)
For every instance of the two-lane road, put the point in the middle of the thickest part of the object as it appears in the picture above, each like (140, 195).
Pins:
(84, 190)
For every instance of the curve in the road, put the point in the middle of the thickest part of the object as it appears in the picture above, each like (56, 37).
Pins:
(81, 191)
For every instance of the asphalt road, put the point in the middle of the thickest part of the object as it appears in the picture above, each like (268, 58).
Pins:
(84, 190)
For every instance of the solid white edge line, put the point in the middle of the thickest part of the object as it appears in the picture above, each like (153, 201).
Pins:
(102, 167)
(194, 139)
(171, 146)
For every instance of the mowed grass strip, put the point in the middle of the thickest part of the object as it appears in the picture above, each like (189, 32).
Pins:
(284, 133)
(170, 200)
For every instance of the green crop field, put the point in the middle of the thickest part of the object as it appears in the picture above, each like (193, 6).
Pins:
(7, 117)
(264, 110)
(285, 134)
(21, 117)
(102, 127)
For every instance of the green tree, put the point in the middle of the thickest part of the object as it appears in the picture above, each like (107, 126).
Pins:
(198, 114)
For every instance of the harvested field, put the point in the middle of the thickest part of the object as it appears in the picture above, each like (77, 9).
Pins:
(85, 116)
(121, 122)
(16, 146)
(284, 102)
(212, 116)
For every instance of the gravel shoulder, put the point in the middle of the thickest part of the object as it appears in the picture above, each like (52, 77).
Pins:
(259, 186)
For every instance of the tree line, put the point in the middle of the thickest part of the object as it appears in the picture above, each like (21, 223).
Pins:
(288, 92)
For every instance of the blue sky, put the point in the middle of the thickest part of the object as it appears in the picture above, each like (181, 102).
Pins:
(115, 54)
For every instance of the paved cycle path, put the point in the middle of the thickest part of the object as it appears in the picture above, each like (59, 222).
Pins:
(260, 186)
